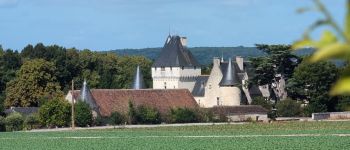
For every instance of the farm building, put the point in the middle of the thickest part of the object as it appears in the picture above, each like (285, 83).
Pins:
(106, 101)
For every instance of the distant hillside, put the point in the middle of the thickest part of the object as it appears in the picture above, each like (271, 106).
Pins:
(204, 54)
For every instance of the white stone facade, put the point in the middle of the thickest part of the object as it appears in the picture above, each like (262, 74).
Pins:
(175, 77)
(216, 95)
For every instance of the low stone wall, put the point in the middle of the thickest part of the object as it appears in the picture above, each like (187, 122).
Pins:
(331, 115)
(245, 117)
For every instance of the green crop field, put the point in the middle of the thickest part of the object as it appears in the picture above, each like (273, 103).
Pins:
(291, 135)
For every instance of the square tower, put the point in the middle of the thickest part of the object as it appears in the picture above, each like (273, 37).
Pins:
(175, 68)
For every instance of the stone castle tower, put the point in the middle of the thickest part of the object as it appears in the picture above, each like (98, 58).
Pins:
(175, 68)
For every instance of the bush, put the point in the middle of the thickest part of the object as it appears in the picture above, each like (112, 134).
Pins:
(148, 115)
(132, 113)
(262, 102)
(204, 115)
(56, 112)
(100, 121)
(288, 108)
(2, 124)
(116, 118)
(31, 121)
(143, 115)
(14, 122)
(344, 104)
(314, 108)
(267, 105)
(83, 114)
(183, 115)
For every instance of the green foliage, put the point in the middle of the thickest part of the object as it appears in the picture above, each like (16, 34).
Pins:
(14, 122)
(288, 108)
(116, 118)
(100, 121)
(147, 115)
(262, 102)
(127, 65)
(334, 44)
(101, 69)
(31, 121)
(143, 114)
(314, 108)
(56, 112)
(10, 61)
(344, 104)
(83, 114)
(2, 124)
(205, 115)
(35, 80)
(279, 61)
(132, 113)
(2, 99)
(311, 82)
(183, 115)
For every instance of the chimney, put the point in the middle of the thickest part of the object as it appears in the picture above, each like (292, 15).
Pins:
(216, 61)
(184, 41)
(239, 61)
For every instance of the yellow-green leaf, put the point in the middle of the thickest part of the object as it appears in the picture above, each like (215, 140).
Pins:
(342, 87)
(347, 21)
(304, 43)
(327, 38)
(336, 50)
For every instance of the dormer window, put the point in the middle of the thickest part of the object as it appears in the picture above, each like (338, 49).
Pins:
(162, 68)
(171, 68)
(195, 67)
(182, 67)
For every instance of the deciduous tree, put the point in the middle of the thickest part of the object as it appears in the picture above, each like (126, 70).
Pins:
(35, 81)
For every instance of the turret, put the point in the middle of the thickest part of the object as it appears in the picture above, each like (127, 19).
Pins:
(138, 79)
(230, 77)
(86, 96)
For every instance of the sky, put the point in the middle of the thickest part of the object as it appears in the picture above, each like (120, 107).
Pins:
(114, 24)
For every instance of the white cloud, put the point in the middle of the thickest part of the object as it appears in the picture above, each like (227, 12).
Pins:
(9, 3)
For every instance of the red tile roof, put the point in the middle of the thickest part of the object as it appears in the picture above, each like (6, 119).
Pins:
(110, 100)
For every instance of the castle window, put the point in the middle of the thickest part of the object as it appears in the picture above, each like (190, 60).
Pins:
(164, 85)
(162, 68)
(217, 101)
(209, 86)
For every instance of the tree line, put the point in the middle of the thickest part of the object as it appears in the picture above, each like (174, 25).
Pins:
(307, 84)
(38, 73)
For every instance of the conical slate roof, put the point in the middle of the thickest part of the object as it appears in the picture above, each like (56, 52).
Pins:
(174, 54)
(138, 80)
(230, 76)
(86, 96)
